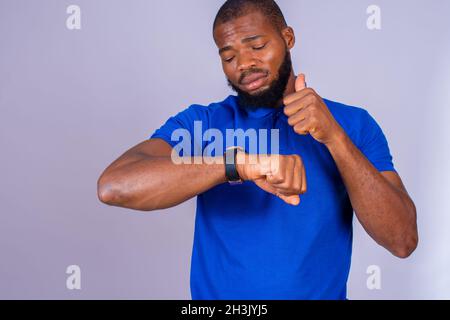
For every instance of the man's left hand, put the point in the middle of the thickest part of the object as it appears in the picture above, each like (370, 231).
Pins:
(308, 114)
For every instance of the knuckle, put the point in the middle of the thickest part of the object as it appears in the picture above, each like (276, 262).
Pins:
(304, 188)
(287, 109)
(311, 91)
(291, 120)
(285, 187)
(291, 161)
(278, 178)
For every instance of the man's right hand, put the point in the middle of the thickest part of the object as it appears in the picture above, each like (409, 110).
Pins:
(281, 175)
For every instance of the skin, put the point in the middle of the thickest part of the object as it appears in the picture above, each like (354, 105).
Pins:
(145, 178)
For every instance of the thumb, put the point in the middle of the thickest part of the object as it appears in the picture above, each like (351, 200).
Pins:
(264, 185)
(293, 200)
(300, 82)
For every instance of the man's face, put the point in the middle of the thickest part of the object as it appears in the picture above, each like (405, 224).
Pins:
(255, 59)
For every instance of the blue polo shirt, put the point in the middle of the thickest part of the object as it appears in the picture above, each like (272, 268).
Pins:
(249, 244)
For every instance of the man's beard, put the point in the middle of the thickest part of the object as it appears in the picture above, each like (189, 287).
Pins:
(270, 97)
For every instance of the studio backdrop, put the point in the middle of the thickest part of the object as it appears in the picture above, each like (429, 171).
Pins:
(82, 81)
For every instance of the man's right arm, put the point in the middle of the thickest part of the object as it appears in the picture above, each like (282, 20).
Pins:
(145, 178)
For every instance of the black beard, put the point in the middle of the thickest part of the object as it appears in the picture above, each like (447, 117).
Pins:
(270, 97)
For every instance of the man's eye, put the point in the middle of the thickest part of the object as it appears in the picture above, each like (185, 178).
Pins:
(259, 48)
(229, 59)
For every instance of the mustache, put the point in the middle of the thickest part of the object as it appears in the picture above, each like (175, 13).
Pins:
(250, 72)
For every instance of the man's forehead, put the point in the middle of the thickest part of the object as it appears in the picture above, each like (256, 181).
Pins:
(241, 28)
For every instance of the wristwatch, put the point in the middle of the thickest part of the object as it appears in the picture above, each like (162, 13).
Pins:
(231, 172)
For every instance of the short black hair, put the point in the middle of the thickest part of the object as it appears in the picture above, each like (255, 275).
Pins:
(233, 9)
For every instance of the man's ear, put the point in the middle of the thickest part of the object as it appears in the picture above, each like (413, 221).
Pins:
(289, 37)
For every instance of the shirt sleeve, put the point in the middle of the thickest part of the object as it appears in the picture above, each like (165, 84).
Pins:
(184, 126)
(374, 144)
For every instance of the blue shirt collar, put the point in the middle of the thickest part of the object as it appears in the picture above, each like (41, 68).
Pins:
(260, 112)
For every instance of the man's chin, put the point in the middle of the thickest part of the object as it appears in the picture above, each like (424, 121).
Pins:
(257, 92)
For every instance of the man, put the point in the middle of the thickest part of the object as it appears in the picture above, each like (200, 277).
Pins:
(286, 231)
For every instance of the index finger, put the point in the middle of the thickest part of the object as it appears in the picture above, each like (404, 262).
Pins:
(296, 96)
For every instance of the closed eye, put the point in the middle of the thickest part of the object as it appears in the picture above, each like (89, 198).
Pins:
(254, 48)
(259, 48)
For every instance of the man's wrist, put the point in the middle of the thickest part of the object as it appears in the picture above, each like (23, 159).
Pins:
(338, 142)
(241, 161)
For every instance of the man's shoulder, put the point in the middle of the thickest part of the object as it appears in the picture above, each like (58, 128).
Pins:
(344, 110)
(353, 119)
(205, 109)
(229, 101)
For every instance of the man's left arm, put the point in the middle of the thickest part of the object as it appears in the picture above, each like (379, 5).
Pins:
(379, 199)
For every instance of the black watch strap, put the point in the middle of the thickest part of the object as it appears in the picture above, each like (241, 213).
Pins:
(231, 172)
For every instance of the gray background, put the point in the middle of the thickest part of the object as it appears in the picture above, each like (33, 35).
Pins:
(73, 101)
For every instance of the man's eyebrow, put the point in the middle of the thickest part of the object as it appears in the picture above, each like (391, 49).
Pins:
(249, 39)
(245, 40)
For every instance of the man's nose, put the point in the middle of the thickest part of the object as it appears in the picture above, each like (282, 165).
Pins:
(245, 62)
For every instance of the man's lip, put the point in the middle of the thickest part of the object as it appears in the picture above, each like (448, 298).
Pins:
(257, 83)
(252, 77)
